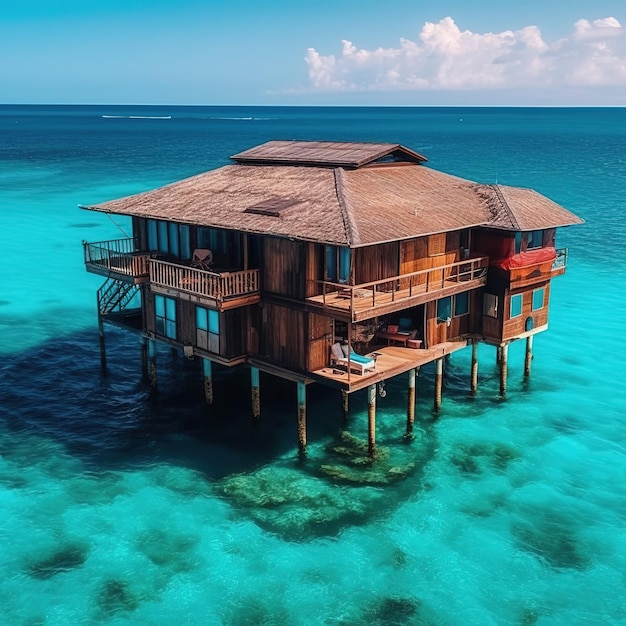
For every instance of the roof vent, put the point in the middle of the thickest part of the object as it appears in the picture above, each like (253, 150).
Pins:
(273, 207)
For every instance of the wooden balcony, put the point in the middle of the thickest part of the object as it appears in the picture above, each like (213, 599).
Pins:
(560, 263)
(538, 272)
(390, 361)
(380, 297)
(219, 290)
(118, 259)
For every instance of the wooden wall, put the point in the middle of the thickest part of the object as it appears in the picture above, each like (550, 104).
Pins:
(320, 337)
(314, 268)
(438, 332)
(376, 262)
(234, 336)
(517, 325)
(283, 335)
(423, 253)
(284, 267)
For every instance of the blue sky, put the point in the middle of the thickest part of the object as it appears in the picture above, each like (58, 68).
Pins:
(327, 52)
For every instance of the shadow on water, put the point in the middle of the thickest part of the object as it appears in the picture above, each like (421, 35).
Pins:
(111, 422)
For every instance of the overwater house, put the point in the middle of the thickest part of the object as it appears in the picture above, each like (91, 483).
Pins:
(343, 264)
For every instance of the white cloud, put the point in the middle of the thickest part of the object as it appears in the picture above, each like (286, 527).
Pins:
(444, 57)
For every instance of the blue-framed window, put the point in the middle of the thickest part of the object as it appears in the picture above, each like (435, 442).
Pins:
(338, 263)
(461, 304)
(444, 309)
(516, 305)
(538, 299)
(169, 238)
(208, 329)
(452, 306)
(534, 239)
(165, 316)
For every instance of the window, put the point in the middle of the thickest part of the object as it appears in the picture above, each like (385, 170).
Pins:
(452, 306)
(444, 309)
(490, 305)
(516, 305)
(169, 238)
(208, 329)
(165, 315)
(538, 295)
(518, 243)
(461, 304)
(534, 239)
(338, 264)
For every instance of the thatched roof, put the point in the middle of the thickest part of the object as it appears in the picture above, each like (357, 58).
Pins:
(337, 205)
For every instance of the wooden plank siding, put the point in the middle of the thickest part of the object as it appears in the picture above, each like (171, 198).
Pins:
(460, 325)
(517, 326)
(233, 336)
(314, 268)
(429, 252)
(283, 336)
(376, 262)
(320, 337)
(284, 267)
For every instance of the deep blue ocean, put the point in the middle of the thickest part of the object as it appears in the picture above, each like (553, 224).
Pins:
(118, 507)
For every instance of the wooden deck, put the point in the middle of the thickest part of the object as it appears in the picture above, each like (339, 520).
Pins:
(367, 303)
(390, 361)
(353, 303)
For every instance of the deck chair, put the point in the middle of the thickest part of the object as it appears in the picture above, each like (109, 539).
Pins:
(202, 259)
(358, 362)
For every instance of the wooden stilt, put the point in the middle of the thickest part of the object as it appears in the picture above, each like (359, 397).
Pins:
(438, 384)
(152, 369)
(345, 407)
(207, 375)
(301, 418)
(529, 356)
(103, 352)
(474, 371)
(256, 392)
(498, 355)
(504, 358)
(410, 408)
(371, 420)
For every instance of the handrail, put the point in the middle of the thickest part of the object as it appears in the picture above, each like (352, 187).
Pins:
(219, 286)
(560, 262)
(421, 281)
(117, 255)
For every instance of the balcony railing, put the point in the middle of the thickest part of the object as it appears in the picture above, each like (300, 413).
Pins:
(560, 263)
(116, 256)
(399, 289)
(217, 286)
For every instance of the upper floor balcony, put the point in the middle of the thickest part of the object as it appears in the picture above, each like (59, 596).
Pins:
(538, 270)
(117, 258)
(214, 288)
(380, 297)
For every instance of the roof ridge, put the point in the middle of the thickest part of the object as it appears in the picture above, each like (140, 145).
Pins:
(350, 227)
(505, 205)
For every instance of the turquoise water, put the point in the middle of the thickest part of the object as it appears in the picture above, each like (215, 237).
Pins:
(121, 508)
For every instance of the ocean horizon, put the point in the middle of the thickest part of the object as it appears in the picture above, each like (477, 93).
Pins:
(121, 507)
